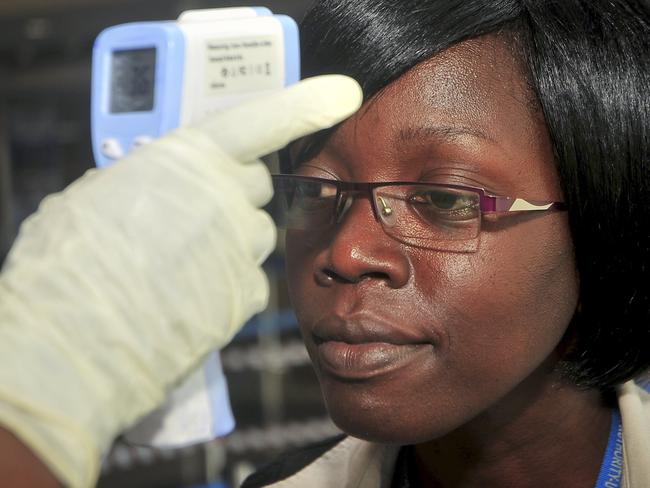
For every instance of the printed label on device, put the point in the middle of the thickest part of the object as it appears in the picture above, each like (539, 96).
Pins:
(243, 65)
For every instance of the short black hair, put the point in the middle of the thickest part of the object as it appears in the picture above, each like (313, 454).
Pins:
(587, 62)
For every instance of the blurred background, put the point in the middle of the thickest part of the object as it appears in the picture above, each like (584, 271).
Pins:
(45, 61)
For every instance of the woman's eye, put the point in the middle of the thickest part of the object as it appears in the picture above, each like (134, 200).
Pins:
(441, 199)
(446, 204)
(444, 201)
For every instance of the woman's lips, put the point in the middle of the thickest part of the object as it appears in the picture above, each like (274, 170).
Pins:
(361, 346)
(366, 360)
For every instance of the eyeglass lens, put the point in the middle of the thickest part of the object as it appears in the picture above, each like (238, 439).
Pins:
(421, 215)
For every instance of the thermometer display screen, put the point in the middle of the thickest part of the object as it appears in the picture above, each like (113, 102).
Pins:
(133, 80)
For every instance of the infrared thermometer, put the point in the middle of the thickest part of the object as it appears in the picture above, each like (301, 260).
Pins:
(152, 77)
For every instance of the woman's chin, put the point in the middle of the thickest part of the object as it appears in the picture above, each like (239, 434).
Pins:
(383, 423)
(381, 432)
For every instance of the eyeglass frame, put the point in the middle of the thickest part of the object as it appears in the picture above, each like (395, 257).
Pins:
(488, 203)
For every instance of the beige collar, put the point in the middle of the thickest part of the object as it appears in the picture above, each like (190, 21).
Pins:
(634, 403)
(352, 463)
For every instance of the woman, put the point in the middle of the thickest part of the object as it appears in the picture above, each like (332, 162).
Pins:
(488, 336)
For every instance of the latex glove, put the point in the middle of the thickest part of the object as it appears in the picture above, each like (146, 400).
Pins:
(123, 283)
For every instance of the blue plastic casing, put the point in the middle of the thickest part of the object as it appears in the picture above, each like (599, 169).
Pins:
(262, 11)
(291, 49)
(169, 42)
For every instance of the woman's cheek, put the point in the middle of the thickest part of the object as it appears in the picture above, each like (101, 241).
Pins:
(507, 307)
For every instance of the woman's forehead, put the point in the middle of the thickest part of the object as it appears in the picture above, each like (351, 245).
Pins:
(470, 103)
(477, 85)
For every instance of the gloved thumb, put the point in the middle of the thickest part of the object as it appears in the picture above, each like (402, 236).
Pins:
(268, 123)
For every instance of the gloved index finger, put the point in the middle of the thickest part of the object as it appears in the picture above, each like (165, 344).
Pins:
(267, 124)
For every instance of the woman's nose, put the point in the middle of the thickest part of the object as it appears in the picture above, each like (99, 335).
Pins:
(359, 249)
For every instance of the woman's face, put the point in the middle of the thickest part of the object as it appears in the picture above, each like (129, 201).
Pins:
(411, 343)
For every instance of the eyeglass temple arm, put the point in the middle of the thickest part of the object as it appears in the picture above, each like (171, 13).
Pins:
(508, 204)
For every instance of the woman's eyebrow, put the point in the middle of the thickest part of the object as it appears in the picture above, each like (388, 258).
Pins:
(445, 132)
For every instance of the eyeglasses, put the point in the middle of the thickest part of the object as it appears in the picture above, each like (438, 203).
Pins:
(432, 216)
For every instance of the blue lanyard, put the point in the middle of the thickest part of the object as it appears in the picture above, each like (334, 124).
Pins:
(611, 470)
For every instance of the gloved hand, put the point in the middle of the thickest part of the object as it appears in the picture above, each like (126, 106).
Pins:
(119, 286)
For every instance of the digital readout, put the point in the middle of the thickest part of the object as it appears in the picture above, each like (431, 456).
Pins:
(133, 80)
